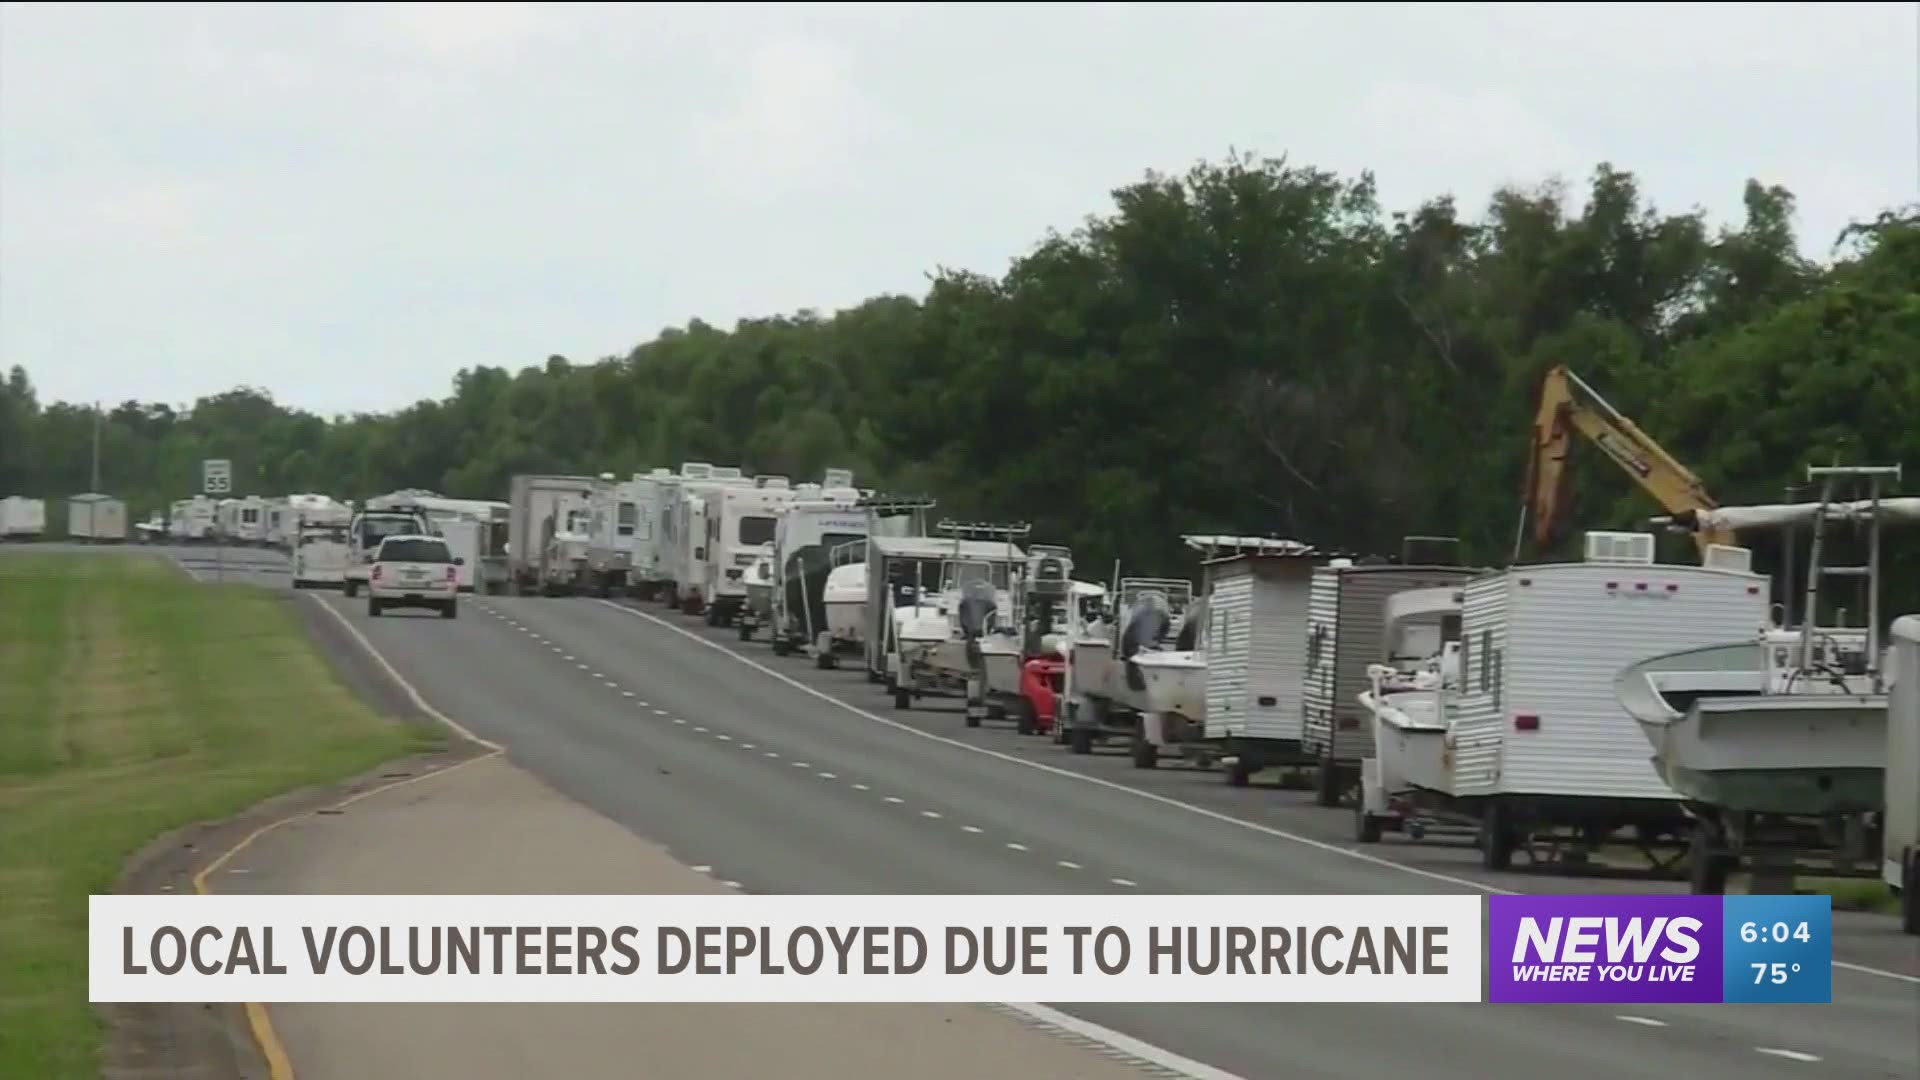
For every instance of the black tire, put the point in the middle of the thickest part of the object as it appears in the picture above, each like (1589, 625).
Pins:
(902, 698)
(373, 608)
(1366, 827)
(1080, 740)
(973, 716)
(746, 631)
(1910, 894)
(1240, 773)
(350, 589)
(1026, 720)
(1707, 866)
(451, 611)
(1496, 837)
(1331, 783)
(780, 645)
(1145, 754)
(825, 662)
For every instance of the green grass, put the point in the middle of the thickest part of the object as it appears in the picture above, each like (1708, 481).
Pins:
(133, 702)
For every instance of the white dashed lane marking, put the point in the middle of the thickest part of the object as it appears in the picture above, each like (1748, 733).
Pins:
(1646, 1021)
(1790, 1055)
(936, 815)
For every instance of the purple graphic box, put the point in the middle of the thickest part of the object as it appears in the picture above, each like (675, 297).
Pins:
(1611, 950)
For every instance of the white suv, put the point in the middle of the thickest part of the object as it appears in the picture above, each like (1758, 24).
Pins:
(413, 571)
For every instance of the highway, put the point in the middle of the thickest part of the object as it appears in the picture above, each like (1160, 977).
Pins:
(780, 779)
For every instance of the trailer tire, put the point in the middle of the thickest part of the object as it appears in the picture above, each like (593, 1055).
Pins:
(348, 588)
(1331, 783)
(1145, 754)
(1081, 740)
(1026, 720)
(373, 608)
(1496, 837)
(451, 611)
(746, 631)
(1910, 893)
(826, 661)
(1707, 866)
(1240, 773)
(1366, 827)
(902, 698)
(781, 647)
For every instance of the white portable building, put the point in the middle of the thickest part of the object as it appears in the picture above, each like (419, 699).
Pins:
(1255, 640)
(22, 518)
(96, 517)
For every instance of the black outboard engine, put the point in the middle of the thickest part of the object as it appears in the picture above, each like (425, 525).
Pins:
(1047, 595)
(977, 609)
(1147, 623)
(1196, 620)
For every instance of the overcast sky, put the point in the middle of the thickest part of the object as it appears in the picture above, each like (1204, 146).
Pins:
(346, 205)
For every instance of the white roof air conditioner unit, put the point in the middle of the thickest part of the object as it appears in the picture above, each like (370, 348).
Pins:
(1620, 547)
(1728, 557)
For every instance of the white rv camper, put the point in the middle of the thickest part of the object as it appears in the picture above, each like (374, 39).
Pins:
(1346, 626)
(540, 540)
(96, 518)
(242, 520)
(809, 530)
(613, 512)
(1536, 739)
(193, 520)
(321, 547)
(687, 535)
(1255, 640)
(1900, 825)
(740, 526)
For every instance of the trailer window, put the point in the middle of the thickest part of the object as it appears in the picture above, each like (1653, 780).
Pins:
(1466, 663)
(1486, 659)
(756, 530)
(629, 518)
(1498, 656)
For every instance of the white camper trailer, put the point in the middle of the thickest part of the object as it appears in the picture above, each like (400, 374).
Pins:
(808, 532)
(22, 518)
(1346, 622)
(1535, 737)
(687, 532)
(741, 521)
(194, 520)
(242, 520)
(541, 511)
(653, 495)
(97, 518)
(1255, 639)
(613, 529)
(1900, 824)
(321, 547)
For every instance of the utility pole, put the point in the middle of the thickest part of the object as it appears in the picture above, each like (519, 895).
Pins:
(96, 449)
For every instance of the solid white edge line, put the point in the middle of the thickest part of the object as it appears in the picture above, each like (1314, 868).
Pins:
(1306, 841)
(1790, 1055)
(1126, 1044)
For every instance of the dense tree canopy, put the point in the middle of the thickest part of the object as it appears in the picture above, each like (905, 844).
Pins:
(1255, 346)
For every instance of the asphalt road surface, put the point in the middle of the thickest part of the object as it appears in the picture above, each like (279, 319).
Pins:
(779, 785)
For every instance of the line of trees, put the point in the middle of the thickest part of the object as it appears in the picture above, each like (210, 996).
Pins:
(1253, 346)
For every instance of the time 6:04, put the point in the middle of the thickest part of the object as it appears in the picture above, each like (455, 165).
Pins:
(1778, 932)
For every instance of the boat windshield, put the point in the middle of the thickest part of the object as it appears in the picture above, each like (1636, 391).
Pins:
(954, 575)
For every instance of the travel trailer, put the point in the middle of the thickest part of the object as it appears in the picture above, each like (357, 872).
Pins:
(1255, 641)
(541, 507)
(740, 522)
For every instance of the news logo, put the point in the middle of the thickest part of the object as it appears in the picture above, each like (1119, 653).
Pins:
(1632, 950)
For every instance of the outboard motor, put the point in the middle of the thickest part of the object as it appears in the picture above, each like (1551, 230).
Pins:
(978, 605)
(1190, 629)
(1048, 591)
(1147, 623)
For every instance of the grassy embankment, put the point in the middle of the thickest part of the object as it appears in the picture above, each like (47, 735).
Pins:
(133, 702)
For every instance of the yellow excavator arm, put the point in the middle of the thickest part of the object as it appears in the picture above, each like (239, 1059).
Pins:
(1568, 405)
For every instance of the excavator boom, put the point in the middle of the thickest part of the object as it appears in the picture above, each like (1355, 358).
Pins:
(1567, 406)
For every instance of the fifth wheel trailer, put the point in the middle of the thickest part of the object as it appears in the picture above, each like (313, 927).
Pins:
(539, 506)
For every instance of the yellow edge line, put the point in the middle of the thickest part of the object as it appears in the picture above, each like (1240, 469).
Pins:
(279, 1065)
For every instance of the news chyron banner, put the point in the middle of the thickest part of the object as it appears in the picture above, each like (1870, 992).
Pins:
(754, 948)
(1620, 950)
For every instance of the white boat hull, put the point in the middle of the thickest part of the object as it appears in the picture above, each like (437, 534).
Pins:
(845, 619)
(1176, 683)
(1409, 743)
